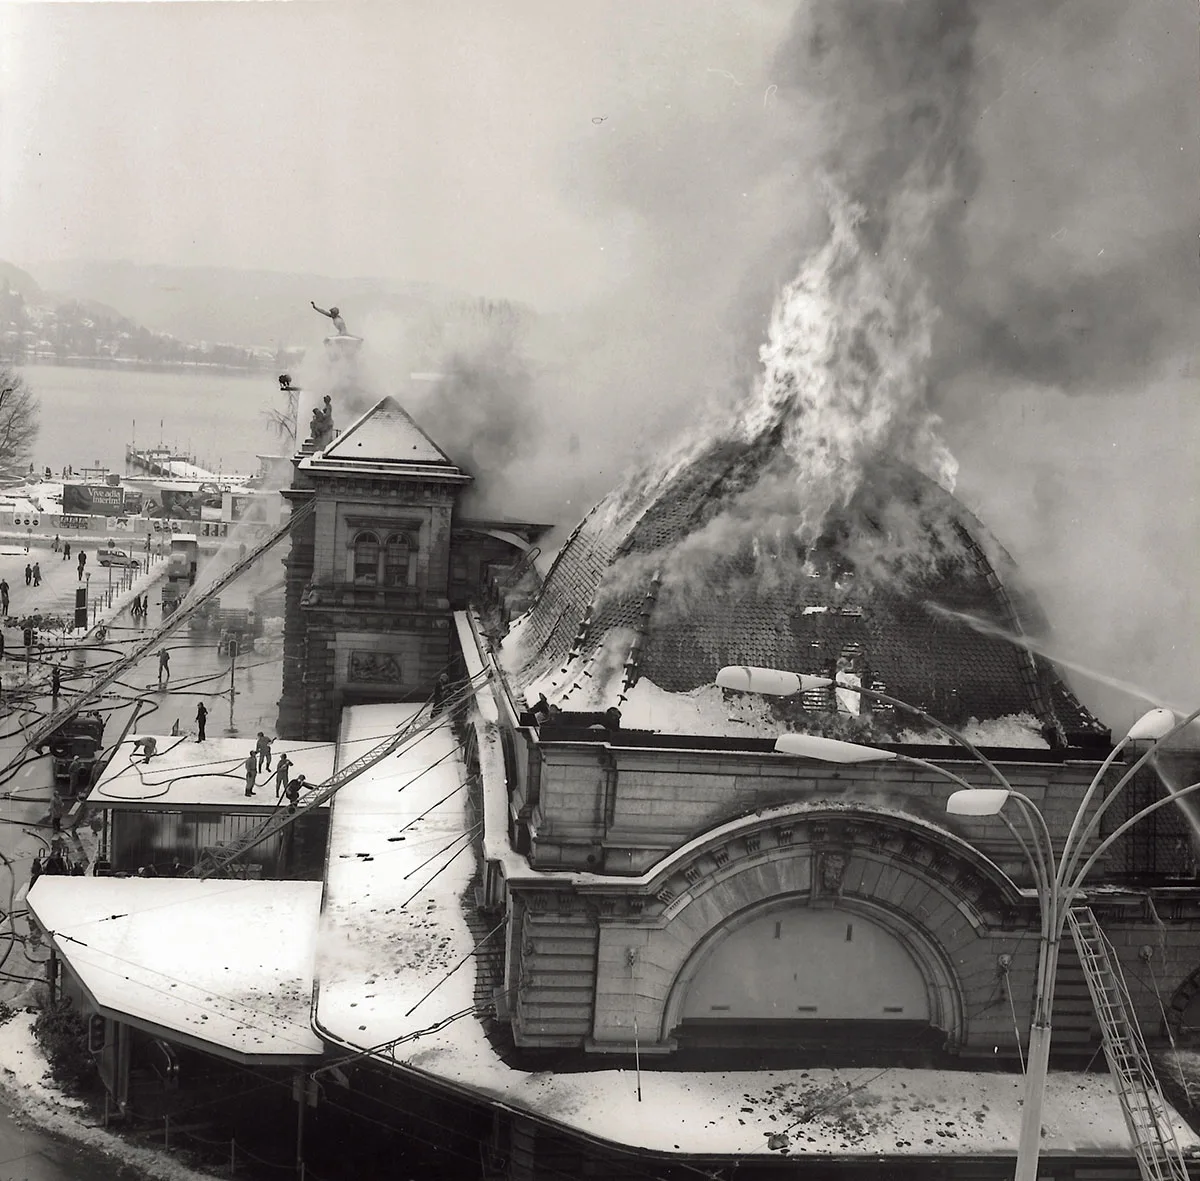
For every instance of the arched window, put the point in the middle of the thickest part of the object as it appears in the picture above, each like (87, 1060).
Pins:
(397, 555)
(366, 559)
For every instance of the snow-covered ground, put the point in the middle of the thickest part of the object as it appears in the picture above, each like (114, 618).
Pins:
(26, 1083)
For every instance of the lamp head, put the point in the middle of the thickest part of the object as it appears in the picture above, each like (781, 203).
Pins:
(746, 678)
(978, 801)
(1158, 723)
(831, 750)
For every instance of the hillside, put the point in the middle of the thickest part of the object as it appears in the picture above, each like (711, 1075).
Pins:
(245, 308)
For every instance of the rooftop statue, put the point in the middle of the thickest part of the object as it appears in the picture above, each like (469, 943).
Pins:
(335, 315)
(321, 428)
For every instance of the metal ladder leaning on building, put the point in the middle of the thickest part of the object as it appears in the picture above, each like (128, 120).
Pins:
(42, 732)
(1150, 1129)
(216, 861)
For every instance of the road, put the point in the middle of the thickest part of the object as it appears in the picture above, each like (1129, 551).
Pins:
(197, 674)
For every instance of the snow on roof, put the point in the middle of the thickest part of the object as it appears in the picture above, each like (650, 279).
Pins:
(229, 963)
(594, 682)
(386, 432)
(392, 931)
(392, 923)
(187, 773)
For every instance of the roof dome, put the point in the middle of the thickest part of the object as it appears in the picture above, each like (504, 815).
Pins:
(701, 565)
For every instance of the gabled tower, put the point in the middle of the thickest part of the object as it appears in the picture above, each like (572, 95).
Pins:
(367, 614)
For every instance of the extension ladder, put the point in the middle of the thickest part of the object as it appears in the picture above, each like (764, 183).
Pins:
(220, 860)
(1151, 1132)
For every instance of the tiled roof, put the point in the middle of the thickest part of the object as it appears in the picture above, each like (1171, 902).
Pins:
(804, 611)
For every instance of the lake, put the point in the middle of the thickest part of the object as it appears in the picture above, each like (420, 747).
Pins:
(88, 415)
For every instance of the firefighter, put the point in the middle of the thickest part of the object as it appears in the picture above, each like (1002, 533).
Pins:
(293, 791)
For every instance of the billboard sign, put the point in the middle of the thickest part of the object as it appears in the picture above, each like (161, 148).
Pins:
(85, 499)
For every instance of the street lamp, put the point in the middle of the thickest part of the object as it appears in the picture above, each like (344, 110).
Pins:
(1057, 884)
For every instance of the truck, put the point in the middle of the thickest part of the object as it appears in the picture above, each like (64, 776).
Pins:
(78, 737)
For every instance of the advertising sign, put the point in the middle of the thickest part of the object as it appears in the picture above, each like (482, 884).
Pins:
(101, 499)
(182, 506)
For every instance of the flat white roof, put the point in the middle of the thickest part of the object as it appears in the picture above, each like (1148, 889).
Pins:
(227, 963)
(383, 931)
(184, 773)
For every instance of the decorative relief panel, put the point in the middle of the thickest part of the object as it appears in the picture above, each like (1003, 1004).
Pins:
(375, 668)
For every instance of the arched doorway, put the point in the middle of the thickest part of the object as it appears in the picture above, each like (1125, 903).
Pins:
(827, 983)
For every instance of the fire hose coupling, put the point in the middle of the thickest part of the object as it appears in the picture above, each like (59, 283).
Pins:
(1145, 953)
(1003, 963)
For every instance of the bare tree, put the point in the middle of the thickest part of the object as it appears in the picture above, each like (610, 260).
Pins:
(19, 415)
(283, 422)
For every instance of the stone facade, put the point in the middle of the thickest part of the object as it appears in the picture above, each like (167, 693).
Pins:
(679, 847)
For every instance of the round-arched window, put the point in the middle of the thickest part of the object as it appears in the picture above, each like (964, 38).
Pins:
(366, 559)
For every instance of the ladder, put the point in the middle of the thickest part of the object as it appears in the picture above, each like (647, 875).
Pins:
(220, 860)
(1151, 1132)
(39, 734)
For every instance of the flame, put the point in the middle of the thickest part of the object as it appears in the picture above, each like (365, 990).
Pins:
(844, 368)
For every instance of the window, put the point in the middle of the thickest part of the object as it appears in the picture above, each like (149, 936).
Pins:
(397, 555)
(366, 559)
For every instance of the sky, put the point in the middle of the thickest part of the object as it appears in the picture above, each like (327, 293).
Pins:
(648, 175)
(419, 140)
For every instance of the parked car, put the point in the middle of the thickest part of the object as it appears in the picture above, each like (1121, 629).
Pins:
(116, 557)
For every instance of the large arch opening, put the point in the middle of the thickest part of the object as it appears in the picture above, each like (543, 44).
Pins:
(819, 985)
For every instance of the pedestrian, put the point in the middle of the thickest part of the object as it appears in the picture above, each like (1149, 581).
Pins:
(55, 683)
(28, 573)
(66, 551)
(293, 791)
(251, 770)
(281, 772)
(4, 596)
(263, 746)
(201, 720)
(77, 772)
(82, 563)
(37, 574)
(55, 543)
(35, 870)
(57, 808)
(164, 667)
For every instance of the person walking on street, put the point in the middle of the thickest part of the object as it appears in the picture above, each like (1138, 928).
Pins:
(201, 720)
(263, 746)
(251, 770)
(164, 668)
(4, 596)
(54, 545)
(28, 573)
(82, 563)
(66, 551)
(37, 574)
(281, 773)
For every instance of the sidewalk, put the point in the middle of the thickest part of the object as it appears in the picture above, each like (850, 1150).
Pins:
(56, 594)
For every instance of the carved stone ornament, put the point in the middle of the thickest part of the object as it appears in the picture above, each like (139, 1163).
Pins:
(375, 667)
(833, 869)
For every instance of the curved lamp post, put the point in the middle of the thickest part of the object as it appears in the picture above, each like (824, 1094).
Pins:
(1058, 879)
